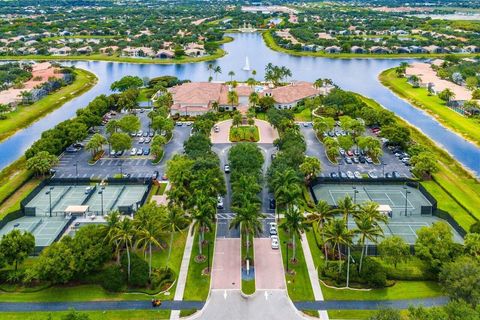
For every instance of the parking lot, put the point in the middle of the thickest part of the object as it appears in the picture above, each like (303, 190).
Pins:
(72, 165)
(316, 149)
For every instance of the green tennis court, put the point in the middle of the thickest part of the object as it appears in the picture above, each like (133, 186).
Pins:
(44, 229)
(403, 200)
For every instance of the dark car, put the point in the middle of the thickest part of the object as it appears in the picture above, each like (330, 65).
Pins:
(155, 175)
(362, 159)
(343, 175)
(334, 175)
(388, 175)
(119, 153)
(78, 145)
(395, 174)
(146, 151)
(72, 149)
(272, 204)
(355, 160)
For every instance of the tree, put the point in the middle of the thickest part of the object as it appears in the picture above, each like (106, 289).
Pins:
(471, 83)
(286, 187)
(318, 83)
(173, 221)
(324, 124)
(96, 143)
(394, 250)
(435, 245)
(337, 234)
(201, 221)
(41, 163)
(232, 98)
(56, 263)
(248, 217)
(217, 70)
(396, 135)
(112, 126)
(367, 230)
(346, 207)
(472, 244)
(253, 99)
(461, 280)
(74, 315)
(424, 165)
(89, 250)
(120, 141)
(446, 95)
(266, 103)
(123, 238)
(295, 223)
(16, 246)
(386, 314)
(231, 74)
(127, 82)
(237, 119)
(310, 168)
(345, 142)
(322, 214)
(130, 123)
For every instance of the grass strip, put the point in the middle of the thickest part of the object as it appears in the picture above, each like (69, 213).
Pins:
(26, 115)
(298, 284)
(469, 128)
(248, 286)
(198, 284)
(92, 315)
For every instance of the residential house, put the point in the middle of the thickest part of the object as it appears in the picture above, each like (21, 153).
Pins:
(84, 50)
(333, 49)
(403, 50)
(63, 51)
(357, 49)
(416, 49)
(287, 97)
(472, 49)
(379, 50)
(165, 54)
(435, 49)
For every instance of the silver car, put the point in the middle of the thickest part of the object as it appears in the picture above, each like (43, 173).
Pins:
(350, 175)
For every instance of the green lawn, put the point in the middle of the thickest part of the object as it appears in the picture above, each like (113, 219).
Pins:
(248, 287)
(198, 285)
(298, 285)
(401, 290)
(304, 115)
(25, 115)
(93, 315)
(243, 133)
(459, 186)
(469, 128)
(353, 314)
(270, 42)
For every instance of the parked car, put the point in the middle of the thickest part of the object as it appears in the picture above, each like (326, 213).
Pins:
(216, 129)
(72, 149)
(139, 133)
(343, 175)
(146, 151)
(272, 204)
(388, 175)
(145, 134)
(350, 153)
(147, 140)
(226, 168)
(151, 134)
(355, 160)
(219, 202)
(139, 151)
(133, 134)
(112, 153)
(141, 140)
(342, 152)
(372, 175)
(357, 175)
(350, 175)
(369, 160)
(133, 151)
(178, 124)
(362, 159)
(334, 175)
(274, 242)
(119, 153)
(273, 228)
(348, 160)
(155, 175)
(396, 174)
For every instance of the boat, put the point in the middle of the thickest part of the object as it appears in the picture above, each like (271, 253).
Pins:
(247, 64)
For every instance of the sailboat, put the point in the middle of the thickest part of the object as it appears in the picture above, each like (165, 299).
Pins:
(247, 64)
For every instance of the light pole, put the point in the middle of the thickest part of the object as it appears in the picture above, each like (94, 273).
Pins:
(406, 198)
(348, 266)
(355, 191)
(101, 195)
(49, 192)
(208, 256)
(286, 246)
(383, 169)
(121, 168)
(76, 171)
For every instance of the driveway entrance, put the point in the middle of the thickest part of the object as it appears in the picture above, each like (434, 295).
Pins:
(226, 264)
(269, 272)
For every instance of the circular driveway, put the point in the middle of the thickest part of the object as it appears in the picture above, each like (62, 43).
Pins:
(267, 133)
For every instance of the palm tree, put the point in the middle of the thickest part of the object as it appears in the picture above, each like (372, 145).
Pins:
(286, 187)
(368, 230)
(322, 214)
(231, 74)
(217, 70)
(254, 73)
(370, 209)
(318, 83)
(123, 238)
(173, 221)
(337, 234)
(249, 219)
(254, 99)
(96, 143)
(232, 98)
(148, 238)
(251, 82)
(113, 220)
(201, 221)
(295, 223)
(346, 207)
(210, 69)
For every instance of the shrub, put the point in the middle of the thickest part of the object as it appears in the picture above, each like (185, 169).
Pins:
(475, 228)
(138, 270)
(161, 277)
(112, 278)
(373, 273)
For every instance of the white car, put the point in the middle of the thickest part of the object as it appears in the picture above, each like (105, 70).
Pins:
(357, 175)
(273, 228)
(139, 133)
(133, 151)
(274, 241)
(226, 168)
(220, 202)
(216, 129)
(350, 175)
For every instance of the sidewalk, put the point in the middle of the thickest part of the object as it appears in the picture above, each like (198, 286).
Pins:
(182, 277)
(313, 275)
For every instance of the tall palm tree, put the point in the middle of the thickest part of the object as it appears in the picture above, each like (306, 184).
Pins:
(318, 83)
(210, 69)
(254, 99)
(370, 209)
(346, 207)
(113, 220)
(251, 82)
(254, 73)
(286, 187)
(232, 98)
(295, 223)
(217, 70)
(337, 234)
(231, 74)
(201, 221)
(148, 238)
(322, 214)
(367, 230)
(173, 221)
(123, 238)
(250, 220)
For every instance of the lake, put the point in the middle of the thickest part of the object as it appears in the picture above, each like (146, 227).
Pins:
(359, 75)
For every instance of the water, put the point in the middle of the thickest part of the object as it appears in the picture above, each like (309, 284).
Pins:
(359, 75)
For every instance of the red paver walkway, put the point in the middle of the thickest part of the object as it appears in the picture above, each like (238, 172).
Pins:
(269, 272)
(267, 133)
(226, 270)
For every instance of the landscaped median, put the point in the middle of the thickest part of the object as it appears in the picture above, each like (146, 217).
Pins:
(25, 115)
(248, 286)
(270, 42)
(421, 98)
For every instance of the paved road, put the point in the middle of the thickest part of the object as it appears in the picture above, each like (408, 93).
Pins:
(269, 273)
(226, 269)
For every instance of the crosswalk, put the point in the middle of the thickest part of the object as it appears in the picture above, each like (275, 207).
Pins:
(232, 215)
